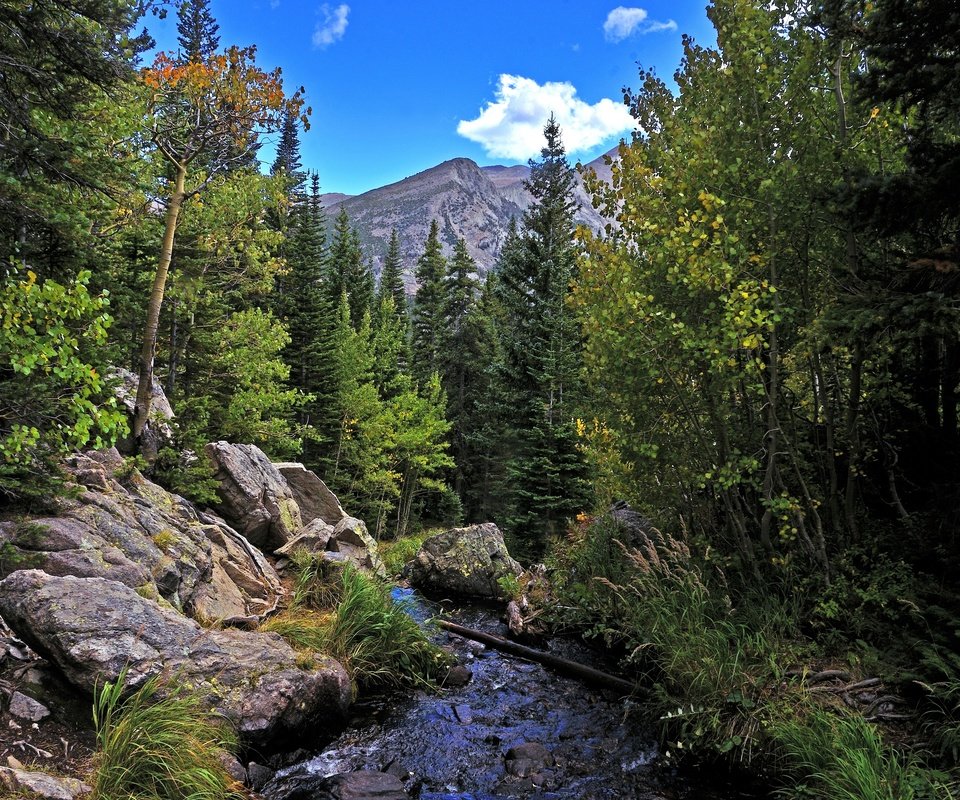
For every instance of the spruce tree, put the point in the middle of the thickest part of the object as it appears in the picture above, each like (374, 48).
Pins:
(391, 286)
(197, 30)
(427, 333)
(539, 373)
(459, 355)
(349, 271)
(287, 161)
(391, 277)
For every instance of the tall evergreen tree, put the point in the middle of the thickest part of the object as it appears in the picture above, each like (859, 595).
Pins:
(287, 162)
(391, 277)
(197, 30)
(540, 351)
(427, 334)
(391, 286)
(459, 354)
(348, 271)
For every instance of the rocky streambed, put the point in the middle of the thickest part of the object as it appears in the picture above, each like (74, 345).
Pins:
(515, 730)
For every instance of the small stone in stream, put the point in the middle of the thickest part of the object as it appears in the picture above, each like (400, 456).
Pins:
(464, 714)
(532, 750)
(457, 675)
(26, 708)
(258, 775)
(397, 769)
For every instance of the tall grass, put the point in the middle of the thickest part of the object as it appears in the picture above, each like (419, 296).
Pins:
(843, 757)
(378, 643)
(709, 667)
(158, 747)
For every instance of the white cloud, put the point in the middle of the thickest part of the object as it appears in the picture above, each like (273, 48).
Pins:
(623, 22)
(333, 25)
(512, 125)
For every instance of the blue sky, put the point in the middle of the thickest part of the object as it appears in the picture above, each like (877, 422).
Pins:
(397, 87)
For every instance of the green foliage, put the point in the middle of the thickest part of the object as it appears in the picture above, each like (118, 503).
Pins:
(158, 744)
(397, 553)
(428, 307)
(843, 757)
(378, 641)
(53, 394)
(710, 664)
(371, 635)
(540, 350)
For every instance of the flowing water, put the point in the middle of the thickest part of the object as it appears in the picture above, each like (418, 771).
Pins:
(452, 745)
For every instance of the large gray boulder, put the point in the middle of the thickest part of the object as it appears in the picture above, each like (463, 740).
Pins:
(92, 629)
(464, 561)
(313, 497)
(254, 497)
(125, 528)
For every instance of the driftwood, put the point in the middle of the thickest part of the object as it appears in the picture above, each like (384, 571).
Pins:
(572, 668)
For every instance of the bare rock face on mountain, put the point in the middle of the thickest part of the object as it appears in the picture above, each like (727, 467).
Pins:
(464, 561)
(468, 201)
(254, 497)
(92, 629)
(127, 529)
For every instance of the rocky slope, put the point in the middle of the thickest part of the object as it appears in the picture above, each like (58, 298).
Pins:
(469, 201)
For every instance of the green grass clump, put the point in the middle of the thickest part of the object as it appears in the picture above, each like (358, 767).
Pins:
(399, 552)
(843, 757)
(377, 642)
(153, 746)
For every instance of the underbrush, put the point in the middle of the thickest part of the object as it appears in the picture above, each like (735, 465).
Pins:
(351, 616)
(159, 745)
(398, 552)
(722, 676)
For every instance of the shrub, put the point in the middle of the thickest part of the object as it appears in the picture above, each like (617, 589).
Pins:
(154, 746)
(397, 553)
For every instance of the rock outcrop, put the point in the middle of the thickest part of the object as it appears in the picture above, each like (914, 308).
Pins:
(125, 528)
(158, 431)
(464, 561)
(254, 496)
(313, 497)
(348, 541)
(92, 629)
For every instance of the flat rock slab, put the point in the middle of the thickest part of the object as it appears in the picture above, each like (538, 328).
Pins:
(40, 784)
(92, 629)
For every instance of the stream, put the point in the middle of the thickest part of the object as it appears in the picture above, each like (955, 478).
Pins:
(453, 745)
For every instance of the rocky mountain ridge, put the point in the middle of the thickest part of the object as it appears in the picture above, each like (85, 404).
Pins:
(467, 200)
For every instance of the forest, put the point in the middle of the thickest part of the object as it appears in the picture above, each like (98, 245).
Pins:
(760, 352)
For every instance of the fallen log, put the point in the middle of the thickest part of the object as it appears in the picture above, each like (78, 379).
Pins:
(564, 665)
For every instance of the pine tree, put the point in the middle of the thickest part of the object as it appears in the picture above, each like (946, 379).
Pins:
(391, 286)
(348, 270)
(287, 161)
(427, 334)
(459, 355)
(197, 30)
(539, 373)
(391, 277)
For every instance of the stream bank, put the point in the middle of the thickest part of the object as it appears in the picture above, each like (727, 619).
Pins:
(515, 730)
